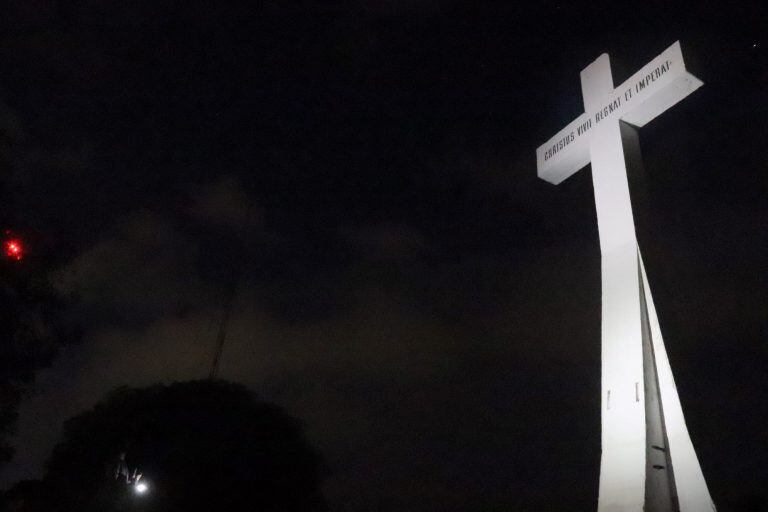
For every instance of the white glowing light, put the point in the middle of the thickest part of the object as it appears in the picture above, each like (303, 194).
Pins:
(141, 488)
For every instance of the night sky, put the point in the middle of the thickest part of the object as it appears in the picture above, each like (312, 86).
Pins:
(361, 177)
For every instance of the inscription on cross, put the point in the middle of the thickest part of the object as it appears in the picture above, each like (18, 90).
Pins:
(653, 89)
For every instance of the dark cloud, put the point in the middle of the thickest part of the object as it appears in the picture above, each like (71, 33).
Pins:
(226, 205)
(145, 270)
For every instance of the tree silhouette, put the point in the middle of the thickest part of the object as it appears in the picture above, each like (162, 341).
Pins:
(32, 328)
(201, 445)
(31, 332)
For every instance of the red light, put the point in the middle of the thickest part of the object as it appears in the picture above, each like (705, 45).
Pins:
(13, 248)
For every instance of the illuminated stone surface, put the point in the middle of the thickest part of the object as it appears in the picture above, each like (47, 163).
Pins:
(648, 462)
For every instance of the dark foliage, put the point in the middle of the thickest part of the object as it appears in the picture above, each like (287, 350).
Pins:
(31, 331)
(202, 445)
(32, 325)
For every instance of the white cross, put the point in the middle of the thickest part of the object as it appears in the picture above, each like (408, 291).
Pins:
(647, 461)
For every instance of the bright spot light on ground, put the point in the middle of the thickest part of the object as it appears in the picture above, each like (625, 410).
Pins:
(141, 487)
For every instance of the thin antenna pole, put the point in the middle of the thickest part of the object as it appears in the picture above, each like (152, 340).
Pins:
(221, 337)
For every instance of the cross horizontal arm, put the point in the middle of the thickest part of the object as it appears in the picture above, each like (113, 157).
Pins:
(653, 89)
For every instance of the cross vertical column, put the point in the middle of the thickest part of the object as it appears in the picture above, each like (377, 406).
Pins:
(623, 458)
